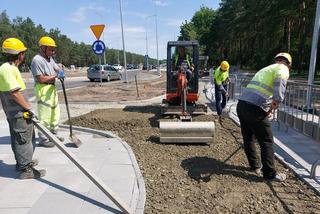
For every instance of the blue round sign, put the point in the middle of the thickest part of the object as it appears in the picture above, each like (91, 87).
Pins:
(98, 47)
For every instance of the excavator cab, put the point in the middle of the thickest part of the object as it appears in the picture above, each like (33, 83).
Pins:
(182, 57)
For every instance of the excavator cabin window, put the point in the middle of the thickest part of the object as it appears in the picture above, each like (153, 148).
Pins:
(182, 61)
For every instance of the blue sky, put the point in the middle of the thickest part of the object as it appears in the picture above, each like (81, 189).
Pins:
(73, 18)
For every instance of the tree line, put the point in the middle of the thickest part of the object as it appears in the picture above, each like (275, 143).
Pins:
(68, 51)
(249, 33)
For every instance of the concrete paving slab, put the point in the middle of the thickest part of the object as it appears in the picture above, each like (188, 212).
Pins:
(53, 203)
(14, 210)
(65, 189)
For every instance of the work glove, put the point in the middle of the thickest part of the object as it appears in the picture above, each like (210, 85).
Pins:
(60, 74)
(29, 114)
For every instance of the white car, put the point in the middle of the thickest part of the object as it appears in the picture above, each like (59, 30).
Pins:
(117, 66)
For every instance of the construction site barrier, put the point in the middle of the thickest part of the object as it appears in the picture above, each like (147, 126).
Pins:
(299, 110)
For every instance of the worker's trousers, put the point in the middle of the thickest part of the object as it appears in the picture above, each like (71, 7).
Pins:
(221, 98)
(22, 140)
(48, 109)
(255, 123)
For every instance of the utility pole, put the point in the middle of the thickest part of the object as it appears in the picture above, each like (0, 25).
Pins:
(313, 58)
(158, 65)
(147, 59)
(123, 46)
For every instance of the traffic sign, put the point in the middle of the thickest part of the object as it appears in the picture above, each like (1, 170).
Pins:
(98, 47)
(97, 30)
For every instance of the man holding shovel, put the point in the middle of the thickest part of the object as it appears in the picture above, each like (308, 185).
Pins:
(45, 71)
(260, 98)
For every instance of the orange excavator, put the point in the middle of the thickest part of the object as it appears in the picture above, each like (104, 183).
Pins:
(182, 96)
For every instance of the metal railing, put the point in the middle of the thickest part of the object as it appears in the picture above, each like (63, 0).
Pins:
(294, 112)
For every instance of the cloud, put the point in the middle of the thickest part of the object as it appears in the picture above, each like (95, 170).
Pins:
(160, 3)
(82, 12)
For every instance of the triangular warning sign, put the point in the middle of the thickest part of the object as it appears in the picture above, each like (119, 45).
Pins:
(97, 30)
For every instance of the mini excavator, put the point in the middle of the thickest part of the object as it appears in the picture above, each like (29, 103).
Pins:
(182, 96)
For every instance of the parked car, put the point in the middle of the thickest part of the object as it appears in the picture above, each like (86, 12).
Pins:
(108, 73)
(129, 66)
(117, 66)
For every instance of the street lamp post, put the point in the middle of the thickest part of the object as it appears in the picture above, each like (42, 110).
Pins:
(314, 48)
(147, 56)
(158, 66)
(156, 20)
(123, 46)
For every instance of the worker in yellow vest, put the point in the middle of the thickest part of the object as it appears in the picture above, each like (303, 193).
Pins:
(221, 80)
(45, 71)
(182, 60)
(15, 105)
(263, 94)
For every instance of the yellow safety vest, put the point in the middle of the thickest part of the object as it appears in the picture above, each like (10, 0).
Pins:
(187, 58)
(263, 81)
(220, 76)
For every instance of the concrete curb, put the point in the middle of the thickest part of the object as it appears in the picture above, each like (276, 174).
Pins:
(141, 184)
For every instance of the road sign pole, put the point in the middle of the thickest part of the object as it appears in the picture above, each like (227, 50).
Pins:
(100, 70)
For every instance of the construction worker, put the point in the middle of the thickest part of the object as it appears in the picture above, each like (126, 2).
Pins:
(221, 79)
(262, 95)
(182, 59)
(45, 71)
(15, 105)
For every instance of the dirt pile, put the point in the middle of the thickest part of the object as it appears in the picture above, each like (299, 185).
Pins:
(200, 178)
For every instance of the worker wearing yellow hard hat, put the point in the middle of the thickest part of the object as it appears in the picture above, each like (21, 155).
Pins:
(45, 70)
(263, 94)
(221, 80)
(15, 105)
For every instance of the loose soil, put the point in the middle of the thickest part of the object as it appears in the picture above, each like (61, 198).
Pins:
(200, 178)
(117, 91)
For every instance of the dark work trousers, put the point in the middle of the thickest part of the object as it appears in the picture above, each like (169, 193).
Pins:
(221, 99)
(254, 122)
(22, 140)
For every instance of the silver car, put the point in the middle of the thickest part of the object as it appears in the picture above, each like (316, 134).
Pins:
(108, 73)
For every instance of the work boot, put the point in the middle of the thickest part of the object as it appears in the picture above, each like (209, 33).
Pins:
(257, 170)
(278, 177)
(61, 139)
(31, 173)
(46, 143)
(33, 163)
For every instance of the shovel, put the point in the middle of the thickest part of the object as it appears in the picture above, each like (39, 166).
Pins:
(72, 137)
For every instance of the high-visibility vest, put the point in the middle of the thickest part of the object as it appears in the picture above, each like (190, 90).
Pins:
(187, 58)
(266, 79)
(10, 78)
(220, 76)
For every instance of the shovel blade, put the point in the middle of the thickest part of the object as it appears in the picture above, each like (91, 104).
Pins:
(75, 140)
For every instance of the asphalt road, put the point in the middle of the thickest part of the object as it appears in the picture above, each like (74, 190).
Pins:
(83, 81)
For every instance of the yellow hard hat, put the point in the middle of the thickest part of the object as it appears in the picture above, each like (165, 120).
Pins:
(13, 46)
(224, 65)
(47, 41)
(287, 56)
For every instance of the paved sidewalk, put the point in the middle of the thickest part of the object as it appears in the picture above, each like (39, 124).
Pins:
(293, 148)
(65, 189)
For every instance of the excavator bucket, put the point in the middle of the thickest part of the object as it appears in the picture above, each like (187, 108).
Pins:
(186, 132)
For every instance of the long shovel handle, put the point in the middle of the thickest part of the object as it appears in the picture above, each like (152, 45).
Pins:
(67, 105)
(95, 179)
